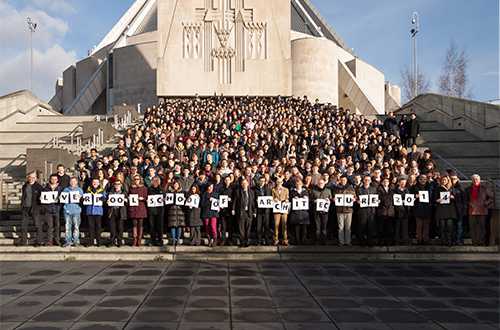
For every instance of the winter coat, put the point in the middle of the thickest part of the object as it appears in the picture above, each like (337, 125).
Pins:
(401, 212)
(138, 212)
(299, 217)
(206, 205)
(226, 191)
(445, 211)
(318, 193)
(366, 211)
(386, 205)
(193, 216)
(175, 213)
(155, 211)
(261, 192)
(423, 210)
(239, 208)
(73, 208)
(36, 189)
(482, 204)
(344, 190)
(460, 200)
(94, 209)
(51, 208)
(120, 210)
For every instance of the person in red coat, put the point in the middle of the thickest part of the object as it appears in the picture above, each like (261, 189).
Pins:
(138, 213)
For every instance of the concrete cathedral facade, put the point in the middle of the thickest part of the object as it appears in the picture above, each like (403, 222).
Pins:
(173, 48)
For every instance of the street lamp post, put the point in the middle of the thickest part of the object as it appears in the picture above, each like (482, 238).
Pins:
(32, 28)
(415, 22)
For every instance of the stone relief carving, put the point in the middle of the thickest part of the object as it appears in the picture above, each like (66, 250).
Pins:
(225, 35)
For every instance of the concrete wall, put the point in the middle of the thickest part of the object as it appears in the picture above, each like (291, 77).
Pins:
(69, 86)
(134, 69)
(315, 69)
(84, 70)
(268, 73)
(478, 118)
(372, 82)
(45, 161)
(392, 97)
(18, 101)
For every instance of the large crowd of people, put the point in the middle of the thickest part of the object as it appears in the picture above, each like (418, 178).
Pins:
(260, 171)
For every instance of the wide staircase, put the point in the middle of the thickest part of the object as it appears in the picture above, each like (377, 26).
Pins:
(453, 147)
(463, 135)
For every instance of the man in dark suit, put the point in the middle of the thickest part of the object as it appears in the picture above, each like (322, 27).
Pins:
(244, 209)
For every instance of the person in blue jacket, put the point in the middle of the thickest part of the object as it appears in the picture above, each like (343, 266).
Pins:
(95, 212)
(72, 213)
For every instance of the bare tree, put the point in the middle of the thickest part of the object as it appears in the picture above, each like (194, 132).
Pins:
(407, 81)
(454, 79)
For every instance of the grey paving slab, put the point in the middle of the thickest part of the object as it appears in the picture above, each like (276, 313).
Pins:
(232, 295)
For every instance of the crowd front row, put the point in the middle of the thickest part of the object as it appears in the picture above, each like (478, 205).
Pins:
(259, 212)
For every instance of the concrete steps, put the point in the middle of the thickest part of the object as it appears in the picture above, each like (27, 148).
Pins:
(291, 253)
(466, 152)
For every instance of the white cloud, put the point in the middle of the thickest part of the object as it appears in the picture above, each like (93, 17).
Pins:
(50, 58)
(14, 29)
(48, 65)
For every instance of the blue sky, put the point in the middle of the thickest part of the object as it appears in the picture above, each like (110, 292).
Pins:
(377, 30)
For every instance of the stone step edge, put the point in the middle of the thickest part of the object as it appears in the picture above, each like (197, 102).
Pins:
(180, 249)
(292, 257)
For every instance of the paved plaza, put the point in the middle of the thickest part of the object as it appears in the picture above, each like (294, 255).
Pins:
(222, 295)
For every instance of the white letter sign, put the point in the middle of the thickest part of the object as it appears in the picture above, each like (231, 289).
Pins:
(265, 202)
(397, 199)
(322, 205)
(133, 200)
(423, 196)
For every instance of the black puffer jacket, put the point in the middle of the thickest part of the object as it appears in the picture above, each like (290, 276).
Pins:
(175, 214)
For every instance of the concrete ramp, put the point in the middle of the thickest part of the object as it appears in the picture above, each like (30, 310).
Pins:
(350, 87)
(92, 90)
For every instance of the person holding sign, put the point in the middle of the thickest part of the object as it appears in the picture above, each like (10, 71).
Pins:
(385, 213)
(401, 212)
(344, 213)
(30, 205)
(422, 209)
(367, 227)
(72, 211)
(210, 213)
(175, 214)
(262, 189)
(194, 215)
(95, 212)
(138, 213)
(446, 211)
(51, 208)
(117, 213)
(156, 212)
(299, 216)
(226, 218)
(244, 209)
(280, 195)
(322, 197)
